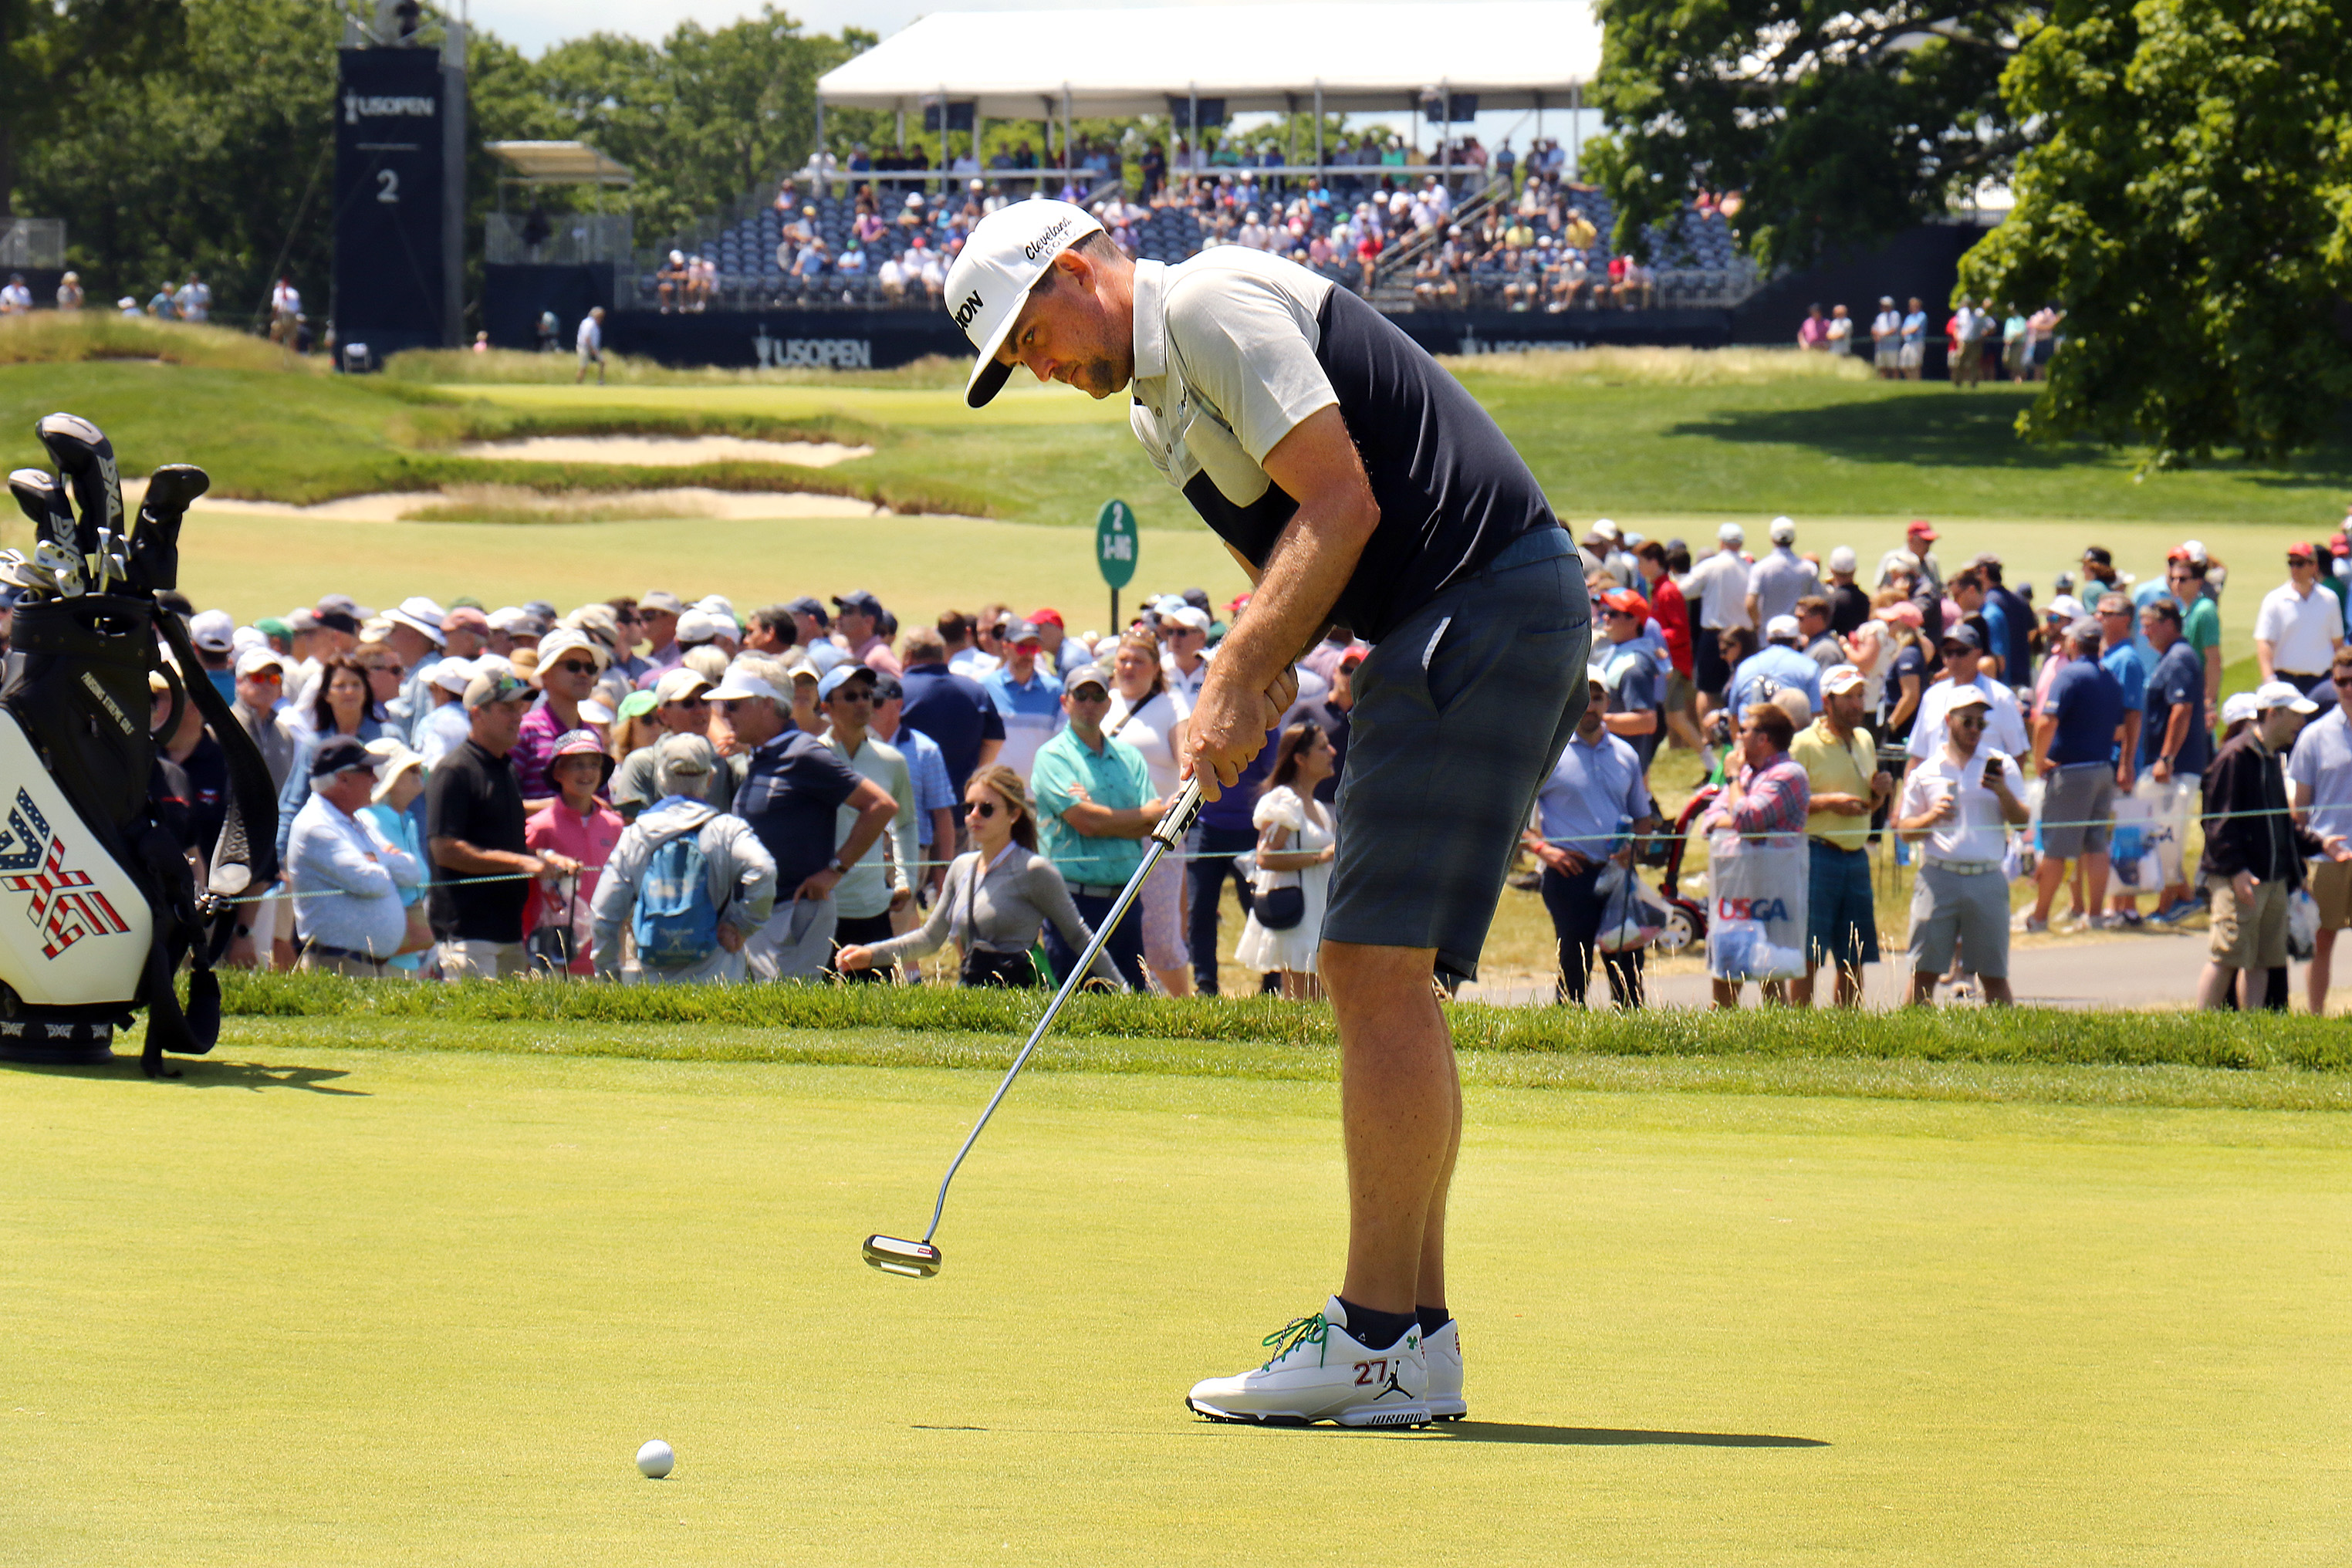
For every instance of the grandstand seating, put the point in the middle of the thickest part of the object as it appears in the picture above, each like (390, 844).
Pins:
(1695, 258)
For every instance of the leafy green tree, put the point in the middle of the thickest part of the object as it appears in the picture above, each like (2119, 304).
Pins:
(2190, 206)
(1838, 125)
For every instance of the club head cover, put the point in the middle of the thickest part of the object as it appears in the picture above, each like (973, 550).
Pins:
(85, 460)
(155, 547)
(39, 498)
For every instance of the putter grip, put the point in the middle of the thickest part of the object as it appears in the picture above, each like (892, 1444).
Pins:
(1176, 820)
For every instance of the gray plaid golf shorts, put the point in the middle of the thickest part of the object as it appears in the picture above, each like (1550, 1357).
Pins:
(1461, 714)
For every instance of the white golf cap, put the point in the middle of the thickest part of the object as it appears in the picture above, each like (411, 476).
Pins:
(259, 658)
(1784, 530)
(741, 684)
(1008, 252)
(1842, 678)
(1843, 558)
(1731, 533)
(1783, 629)
(2272, 694)
(2237, 708)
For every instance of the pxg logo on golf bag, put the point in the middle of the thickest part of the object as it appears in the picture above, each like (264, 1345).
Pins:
(66, 905)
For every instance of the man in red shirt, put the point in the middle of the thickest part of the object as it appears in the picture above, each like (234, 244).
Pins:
(1671, 612)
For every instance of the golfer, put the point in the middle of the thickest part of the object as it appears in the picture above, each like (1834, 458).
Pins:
(1358, 485)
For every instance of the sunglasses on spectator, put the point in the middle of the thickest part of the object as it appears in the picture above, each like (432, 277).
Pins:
(1965, 721)
(986, 808)
(734, 705)
(574, 666)
(1952, 649)
(2344, 679)
(853, 694)
(2298, 560)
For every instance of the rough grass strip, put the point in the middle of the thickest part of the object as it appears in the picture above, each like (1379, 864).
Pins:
(2021, 1036)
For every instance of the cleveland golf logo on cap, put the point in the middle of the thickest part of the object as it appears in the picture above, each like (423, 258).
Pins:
(1037, 246)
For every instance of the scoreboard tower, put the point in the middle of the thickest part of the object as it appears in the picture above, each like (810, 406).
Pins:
(400, 186)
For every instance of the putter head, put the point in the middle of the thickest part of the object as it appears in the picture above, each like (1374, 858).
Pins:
(913, 1260)
(171, 487)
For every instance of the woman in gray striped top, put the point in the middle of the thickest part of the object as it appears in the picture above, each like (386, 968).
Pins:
(999, 896)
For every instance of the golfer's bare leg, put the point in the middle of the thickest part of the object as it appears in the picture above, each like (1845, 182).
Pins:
(1400, 1105)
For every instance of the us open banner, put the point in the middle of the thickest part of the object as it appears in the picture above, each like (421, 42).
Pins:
(393, 115)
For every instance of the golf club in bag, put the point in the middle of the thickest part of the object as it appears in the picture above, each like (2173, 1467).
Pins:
(922, 1259)
(111, 906)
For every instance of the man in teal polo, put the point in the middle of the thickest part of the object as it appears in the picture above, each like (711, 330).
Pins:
(1095, 805)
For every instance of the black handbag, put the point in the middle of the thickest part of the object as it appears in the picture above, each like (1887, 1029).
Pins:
(982, 967)
(1280, 908)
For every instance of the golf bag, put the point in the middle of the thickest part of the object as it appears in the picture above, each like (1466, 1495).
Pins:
(110, 907)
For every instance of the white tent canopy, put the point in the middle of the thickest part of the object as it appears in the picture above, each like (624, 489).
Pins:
(1352, 59)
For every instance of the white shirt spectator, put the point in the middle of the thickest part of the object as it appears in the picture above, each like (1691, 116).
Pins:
(346, 877)
(892, 277)
(1975, 832)
(1721, 584)
(2302, 629)
(285, 300)
(2004, 726)
(2321, 766)
(591, 337)
(195, 300)
(15, 299)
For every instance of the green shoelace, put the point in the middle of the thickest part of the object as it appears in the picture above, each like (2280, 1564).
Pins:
(1309, 1329)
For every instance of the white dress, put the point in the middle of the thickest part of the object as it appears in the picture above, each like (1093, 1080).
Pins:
(1310, 829)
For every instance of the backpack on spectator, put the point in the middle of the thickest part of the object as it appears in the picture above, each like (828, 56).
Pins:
(674, 922)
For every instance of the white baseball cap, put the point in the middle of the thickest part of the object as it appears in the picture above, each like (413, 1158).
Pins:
(1731, 533)
(1783, 629)
(1843, 558)
(1784, 530)
(741, 684)
(1842, 678)
(2280, 694)
(2237, 708)
(1008, 251)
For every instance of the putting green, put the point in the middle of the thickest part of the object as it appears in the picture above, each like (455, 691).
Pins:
(312, 1305)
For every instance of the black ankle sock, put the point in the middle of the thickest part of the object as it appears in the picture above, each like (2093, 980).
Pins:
(1375, 1330)
(1431, 1319)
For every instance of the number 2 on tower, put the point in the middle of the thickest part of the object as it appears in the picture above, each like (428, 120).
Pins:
(387, 185)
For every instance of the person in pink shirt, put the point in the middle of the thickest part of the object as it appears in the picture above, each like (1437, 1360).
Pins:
(569, 663)
(578, 825)
(860, 621)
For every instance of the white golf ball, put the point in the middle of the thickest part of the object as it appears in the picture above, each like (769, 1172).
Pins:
(656, 1458)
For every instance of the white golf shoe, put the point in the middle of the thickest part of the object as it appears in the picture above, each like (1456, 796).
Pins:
(1322, 1373)
(1444, 1351)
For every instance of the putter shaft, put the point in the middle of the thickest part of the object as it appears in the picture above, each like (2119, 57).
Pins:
(1171, 826)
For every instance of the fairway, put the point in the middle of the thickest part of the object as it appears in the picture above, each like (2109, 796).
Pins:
(316, 1304)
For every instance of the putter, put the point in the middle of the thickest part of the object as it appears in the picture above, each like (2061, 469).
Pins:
(922, 1259)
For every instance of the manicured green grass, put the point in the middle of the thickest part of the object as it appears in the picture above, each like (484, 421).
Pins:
(312, 1304)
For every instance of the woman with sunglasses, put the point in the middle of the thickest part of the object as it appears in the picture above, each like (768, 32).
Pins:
(999, 896)
(346, 705)
(569, 663)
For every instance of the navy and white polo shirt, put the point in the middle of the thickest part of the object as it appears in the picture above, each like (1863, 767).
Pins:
(1235, 347)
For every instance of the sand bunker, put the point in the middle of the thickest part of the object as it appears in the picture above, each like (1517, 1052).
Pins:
(665, 451)
(501, 503)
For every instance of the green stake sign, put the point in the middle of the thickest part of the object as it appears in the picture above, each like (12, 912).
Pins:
(1115, 543)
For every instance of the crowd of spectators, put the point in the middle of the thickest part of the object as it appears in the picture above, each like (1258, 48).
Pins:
(865, 233)
(1942, 717)
(679, 792)
(1980, 343)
